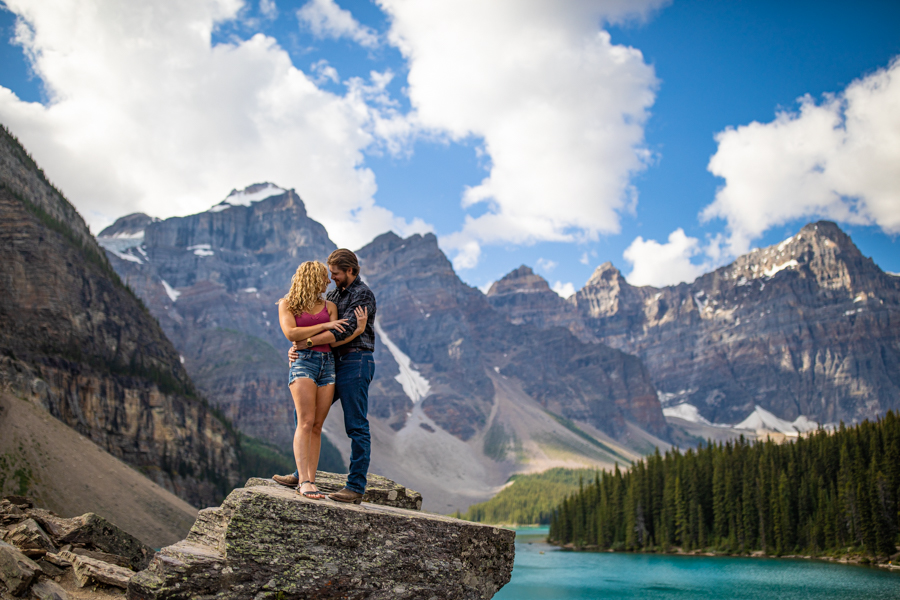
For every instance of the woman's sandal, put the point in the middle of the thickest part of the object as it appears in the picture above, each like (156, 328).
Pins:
(311, 494)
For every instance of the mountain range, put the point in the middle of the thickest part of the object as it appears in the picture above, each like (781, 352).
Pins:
(461, 398)
(806, 331)
(471, 387)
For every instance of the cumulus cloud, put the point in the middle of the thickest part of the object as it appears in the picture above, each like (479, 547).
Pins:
(664, 264)
(546, 265)
(559, 107)
(564, 290)
(836, 159)
(324, 72)
(268, 9)
(146, 114)
(325, 19)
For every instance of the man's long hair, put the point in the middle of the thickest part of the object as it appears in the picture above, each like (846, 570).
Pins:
(344, 260)
(306, 287)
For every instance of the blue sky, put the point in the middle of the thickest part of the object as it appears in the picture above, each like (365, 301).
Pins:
(555, 134)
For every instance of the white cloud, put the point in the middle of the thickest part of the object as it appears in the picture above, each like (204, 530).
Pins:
(324, 72)
(546, 265)
(467, 251)
(560, 109)
(145, 114)
(837, 159)
(664, 264)
(268, 9)
(585, 259)
(326, 19)
(564, 290)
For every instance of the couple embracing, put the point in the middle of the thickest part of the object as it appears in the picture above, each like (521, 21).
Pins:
(331, 359)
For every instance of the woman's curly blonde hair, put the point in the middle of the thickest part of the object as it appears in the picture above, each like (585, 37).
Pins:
(306, 285)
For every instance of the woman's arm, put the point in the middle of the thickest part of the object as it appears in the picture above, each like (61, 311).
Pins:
(362, 317)
(295, 334)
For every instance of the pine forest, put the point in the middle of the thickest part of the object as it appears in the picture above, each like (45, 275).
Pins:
(828, 493)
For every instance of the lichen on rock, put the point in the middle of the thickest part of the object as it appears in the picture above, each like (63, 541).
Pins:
(268, 542)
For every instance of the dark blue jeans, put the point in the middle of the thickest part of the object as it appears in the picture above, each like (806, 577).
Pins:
(353, 374)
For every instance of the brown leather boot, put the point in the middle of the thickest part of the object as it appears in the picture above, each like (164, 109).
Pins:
(286, 480)
(345, 495)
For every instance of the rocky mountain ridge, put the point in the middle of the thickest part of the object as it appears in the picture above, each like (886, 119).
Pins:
(458, 338)
(805, 328)
(77, 342)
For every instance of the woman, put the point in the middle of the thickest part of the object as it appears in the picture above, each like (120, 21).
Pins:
(303, 313)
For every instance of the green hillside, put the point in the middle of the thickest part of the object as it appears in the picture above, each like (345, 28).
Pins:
(529, 499)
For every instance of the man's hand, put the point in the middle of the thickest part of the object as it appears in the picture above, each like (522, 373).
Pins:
(293, 354)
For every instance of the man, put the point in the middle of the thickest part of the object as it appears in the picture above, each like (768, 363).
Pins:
(354, 369)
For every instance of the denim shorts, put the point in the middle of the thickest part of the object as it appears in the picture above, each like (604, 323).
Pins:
(315, 365)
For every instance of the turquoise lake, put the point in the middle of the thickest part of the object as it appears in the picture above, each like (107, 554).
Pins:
(560, 575)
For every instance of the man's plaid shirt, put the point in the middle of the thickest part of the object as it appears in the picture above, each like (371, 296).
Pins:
(347, 299)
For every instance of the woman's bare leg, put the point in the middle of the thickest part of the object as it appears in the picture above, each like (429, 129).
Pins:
(324, 395)
(304, 393)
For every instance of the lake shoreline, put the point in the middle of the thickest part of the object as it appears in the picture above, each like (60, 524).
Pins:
(885, 563)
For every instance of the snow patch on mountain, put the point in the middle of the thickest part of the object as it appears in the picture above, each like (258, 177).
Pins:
(248, 196)
(761, 419)
(201, 249)
(777, 268)
(803, 424)
(172, 292)
(126, 256)
(122, 241)
(688, 412)
(783, 244)
(414, 385)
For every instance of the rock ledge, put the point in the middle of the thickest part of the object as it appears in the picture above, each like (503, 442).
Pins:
(270, 542)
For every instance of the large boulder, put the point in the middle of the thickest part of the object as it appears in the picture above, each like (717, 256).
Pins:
(94, 532)
(270, 542)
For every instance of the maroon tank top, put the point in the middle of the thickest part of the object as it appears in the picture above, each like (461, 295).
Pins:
(306, 320)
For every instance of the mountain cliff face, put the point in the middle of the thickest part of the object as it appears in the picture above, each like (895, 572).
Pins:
(78, 342)
(458, 338)
(808, 327)
(525, 297)
(461, 398)
(213, 280)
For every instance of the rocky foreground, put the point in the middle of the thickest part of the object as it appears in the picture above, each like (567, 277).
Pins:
(264, 541)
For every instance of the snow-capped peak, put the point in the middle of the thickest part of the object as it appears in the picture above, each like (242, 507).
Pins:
(247, 196)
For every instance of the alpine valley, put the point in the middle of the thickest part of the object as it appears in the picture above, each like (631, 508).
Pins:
(470, 388)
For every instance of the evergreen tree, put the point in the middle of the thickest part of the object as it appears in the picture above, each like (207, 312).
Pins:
(818, 494)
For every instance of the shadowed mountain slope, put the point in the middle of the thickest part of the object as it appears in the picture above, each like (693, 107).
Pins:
(77, 342)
